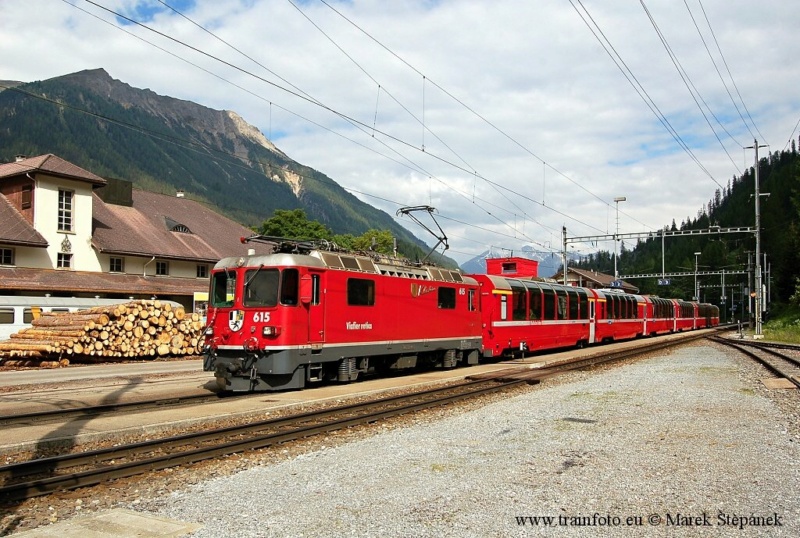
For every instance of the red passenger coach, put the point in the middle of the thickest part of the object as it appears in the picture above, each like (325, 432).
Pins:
(521, 315)
(620, 316)
(304, 314)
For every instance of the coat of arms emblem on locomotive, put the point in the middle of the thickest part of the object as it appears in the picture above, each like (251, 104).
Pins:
(235, 319)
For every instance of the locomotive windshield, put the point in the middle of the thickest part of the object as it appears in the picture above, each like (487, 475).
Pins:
(261, 287)
(223, 286)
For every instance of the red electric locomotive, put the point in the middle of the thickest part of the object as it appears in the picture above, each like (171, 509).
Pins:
(306, 314)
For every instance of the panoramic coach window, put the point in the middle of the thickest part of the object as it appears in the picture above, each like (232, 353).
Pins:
(562, 304)
(573, 305)
(223, 286)
(549, 303)
(535, 298)
(360, 292)
(261, 287)
(447, 297)
(519, 303)
(584, 308)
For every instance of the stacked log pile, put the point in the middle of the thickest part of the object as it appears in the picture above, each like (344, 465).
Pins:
(139, 329)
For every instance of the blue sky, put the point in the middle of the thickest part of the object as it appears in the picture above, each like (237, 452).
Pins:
(146, 11)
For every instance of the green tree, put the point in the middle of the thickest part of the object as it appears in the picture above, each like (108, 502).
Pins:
(376, 240)
(294, 224)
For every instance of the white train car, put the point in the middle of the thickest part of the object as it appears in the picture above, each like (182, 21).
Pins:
(17, 312)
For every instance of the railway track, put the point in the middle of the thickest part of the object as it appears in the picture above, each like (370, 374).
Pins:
(69, 413)
(779, 363)
(71, 471)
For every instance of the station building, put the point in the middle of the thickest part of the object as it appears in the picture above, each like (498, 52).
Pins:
(67, 232)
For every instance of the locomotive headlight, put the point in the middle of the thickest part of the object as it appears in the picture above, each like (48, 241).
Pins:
(270, 331)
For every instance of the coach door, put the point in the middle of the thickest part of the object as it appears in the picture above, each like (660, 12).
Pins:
(592, 316)
(311, 294)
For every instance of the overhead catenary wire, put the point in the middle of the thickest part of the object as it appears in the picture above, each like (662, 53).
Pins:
(727, 68)
(297, 93)
(471, 109)
(690, 86)
(716, 68)
(605, 43)
(360, 124)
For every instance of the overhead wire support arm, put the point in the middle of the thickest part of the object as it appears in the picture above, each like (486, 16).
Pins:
(442, 238)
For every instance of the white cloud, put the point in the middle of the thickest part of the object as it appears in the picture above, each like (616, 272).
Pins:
(532, 70)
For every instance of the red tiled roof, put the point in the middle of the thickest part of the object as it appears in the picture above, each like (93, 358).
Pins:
(602, 279)
(145, 229)
(49, 280)
(51, 164)
(15, 229)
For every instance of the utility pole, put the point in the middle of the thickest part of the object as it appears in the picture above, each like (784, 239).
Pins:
(617, 200)
(758, 333)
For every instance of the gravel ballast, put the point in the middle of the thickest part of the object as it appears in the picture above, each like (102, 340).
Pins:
(659, 447)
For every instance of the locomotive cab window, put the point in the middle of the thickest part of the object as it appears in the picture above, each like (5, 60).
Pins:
(447, 297)
(289, 287)
(360, 292)
(261, 287)
(315, 289)
(223, 286)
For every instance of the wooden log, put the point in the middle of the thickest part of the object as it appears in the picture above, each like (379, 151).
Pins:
(49, 331)
(41, 336)
(33, 345)
(71, 323)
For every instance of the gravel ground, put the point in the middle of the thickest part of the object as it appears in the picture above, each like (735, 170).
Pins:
(658, 447)
(690, 434)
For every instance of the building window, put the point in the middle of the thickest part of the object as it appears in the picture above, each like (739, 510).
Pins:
(6, 256)
(202, 271)
(116, 265)
(27, 196)
(162, 268)
(64, 261)
(65, 210)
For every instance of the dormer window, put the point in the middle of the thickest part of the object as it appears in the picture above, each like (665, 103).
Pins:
(175, 226)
